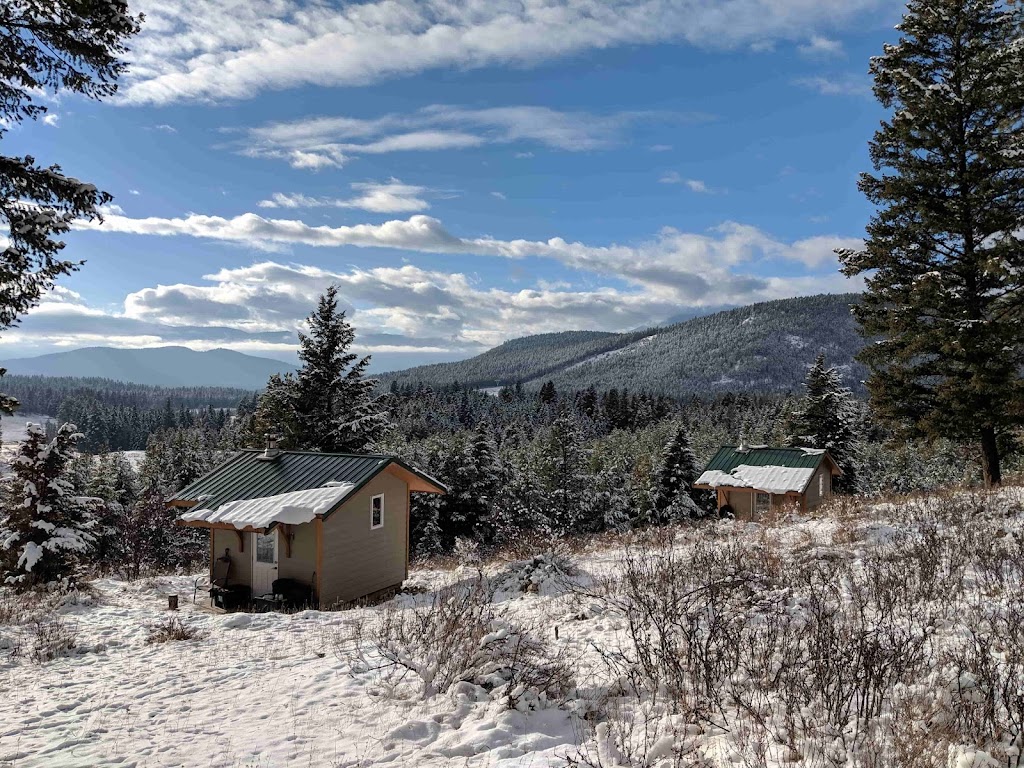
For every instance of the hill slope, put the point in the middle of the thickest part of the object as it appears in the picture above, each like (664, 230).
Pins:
(163, 366)
(764, 347)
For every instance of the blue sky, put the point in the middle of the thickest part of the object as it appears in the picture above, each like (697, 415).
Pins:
(466, 172)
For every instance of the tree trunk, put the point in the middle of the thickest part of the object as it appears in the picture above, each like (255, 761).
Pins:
(990, 458)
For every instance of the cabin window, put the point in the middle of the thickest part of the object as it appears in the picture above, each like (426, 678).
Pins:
(821, 485)
(377, 511)
(762, 503)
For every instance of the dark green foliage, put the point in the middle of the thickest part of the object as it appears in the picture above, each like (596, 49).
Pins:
(49, 47)
(762, 348)
(329, 404)
(46, 529)
(944, 257)
(673, 492)
(827, 417)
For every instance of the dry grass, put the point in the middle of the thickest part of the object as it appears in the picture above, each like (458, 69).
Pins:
(172, 629)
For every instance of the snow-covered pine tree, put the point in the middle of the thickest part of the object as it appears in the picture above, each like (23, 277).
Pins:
(674, 497)
(827, 417)
(46, 529)
(945, 252)
(560, 464)
(113, 480)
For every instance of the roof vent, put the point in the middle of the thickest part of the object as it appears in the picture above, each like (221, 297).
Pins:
(742, 447)
(271, 452)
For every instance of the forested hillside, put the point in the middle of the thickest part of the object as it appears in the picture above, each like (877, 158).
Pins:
(520, 359)
(761, 348)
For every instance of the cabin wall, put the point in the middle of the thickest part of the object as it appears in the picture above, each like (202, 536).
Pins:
(824, 474)
(241, 562)
(358, 561)
(302, 564)
(742, 503)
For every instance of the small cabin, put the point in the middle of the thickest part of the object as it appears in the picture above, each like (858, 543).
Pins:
(754, 481)
(331, 527)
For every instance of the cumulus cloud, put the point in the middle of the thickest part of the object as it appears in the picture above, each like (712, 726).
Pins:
(389, 197)
(687, 268)
(821, 47)
(51, 119)
(226, 49)
(315, 143)
(837, 85)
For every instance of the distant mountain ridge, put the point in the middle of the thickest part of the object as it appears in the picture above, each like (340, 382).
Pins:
(764, 347)
(161, 366)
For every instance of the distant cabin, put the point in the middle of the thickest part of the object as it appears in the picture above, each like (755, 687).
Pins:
(753, 481)
(335, 525)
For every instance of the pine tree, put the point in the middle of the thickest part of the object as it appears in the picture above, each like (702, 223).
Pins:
(944, 257)
(47, 48)
(329, 405)
(45, 529)
(674, 496)
(827, 417)
(560, 467)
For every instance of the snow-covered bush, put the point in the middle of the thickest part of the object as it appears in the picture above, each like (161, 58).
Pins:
(459, 636)
(45, 529)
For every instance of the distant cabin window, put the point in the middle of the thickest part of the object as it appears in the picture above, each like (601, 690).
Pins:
(377, 511)
(762, 503)
(821, 485)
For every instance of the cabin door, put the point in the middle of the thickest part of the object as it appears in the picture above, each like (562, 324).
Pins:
(264, 562)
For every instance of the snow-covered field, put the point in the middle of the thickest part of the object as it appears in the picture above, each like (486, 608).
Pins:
(906, 598)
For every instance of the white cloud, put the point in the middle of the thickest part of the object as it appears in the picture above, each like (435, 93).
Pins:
(821, 47)
(165, 128)
(694, 185)
(389, 197)
(51, 119)
(837, 85)
(686, 268)
(134, 192)
(226, 49)
(323, 142)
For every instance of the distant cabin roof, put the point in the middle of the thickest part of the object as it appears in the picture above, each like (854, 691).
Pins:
(248, 475)
(762, 468)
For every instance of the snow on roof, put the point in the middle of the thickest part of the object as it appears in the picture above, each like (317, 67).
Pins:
(767, 479)
(291, 508)
(813, 451)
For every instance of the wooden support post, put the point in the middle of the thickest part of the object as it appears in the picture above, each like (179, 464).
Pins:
(241, 541)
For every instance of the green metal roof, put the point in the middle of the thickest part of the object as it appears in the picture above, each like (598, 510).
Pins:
(247, 476)
(728, 458)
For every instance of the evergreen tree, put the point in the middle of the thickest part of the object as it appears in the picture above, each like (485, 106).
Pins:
(674, 496)
(827, 417)
(45, 528)
(329, 405)
(47, 48)
(113, 480)
(944, 257)
(560, 466)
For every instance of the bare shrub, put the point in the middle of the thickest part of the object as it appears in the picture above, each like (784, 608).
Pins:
(459, 636)
(52, 637)
(172, 628)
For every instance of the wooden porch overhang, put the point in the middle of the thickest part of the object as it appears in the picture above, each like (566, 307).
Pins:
(287, 529)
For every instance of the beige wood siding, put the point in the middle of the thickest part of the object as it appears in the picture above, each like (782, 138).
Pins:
(742, 503)
(358, 561)
(241, 562)
(825, 474)
(302, 564)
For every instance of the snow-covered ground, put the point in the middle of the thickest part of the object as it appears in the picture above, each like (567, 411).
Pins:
(306, 690)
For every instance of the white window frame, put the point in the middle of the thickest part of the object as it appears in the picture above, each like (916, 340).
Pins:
(821, 485)
(372, 500)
